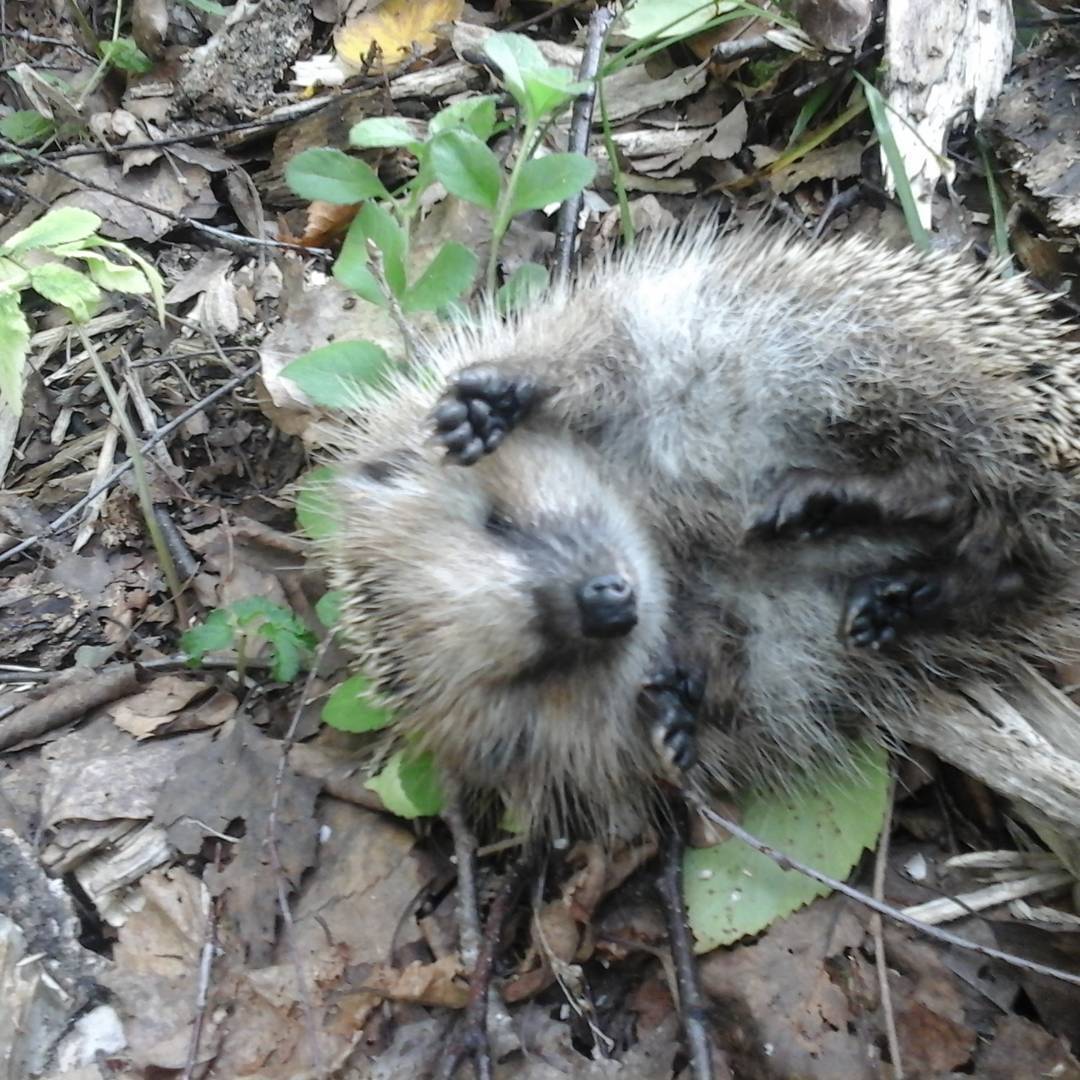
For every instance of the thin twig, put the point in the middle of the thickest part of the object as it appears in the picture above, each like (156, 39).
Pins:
(935, 933)
(162, 432)
(880, 864)
(580, 126)
(227, 239)
(691, 1005)
(202, 993)
(279, 870)
(465, 857)
(393, 305)
(471, 1035)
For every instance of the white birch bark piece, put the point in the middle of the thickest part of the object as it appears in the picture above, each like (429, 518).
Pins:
(943, 60)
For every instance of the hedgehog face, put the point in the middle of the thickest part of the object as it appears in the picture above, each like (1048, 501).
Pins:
(528, 565)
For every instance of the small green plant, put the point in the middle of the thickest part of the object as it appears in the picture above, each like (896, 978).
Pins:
(236, 626)
(37, 259)
(454, 151)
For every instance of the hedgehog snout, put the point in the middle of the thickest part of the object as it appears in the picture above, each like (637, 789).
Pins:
(608, 606)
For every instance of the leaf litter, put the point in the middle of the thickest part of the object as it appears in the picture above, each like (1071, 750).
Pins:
(175, 897)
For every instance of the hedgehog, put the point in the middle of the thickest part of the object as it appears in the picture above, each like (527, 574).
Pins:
(728, 500)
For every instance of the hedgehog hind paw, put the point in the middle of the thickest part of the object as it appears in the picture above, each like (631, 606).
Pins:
(673, 698)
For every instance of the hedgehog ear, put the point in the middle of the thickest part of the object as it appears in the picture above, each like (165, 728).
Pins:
(390, 469)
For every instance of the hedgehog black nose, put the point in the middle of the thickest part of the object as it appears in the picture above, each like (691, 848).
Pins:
(608, 606)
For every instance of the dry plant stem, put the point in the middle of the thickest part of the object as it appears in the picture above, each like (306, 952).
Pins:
(881, 862)
(471, 1037)
(465, 857)
(692, 1010)
(162, 432)
(933, 932)
(202, 993)
(279, 871)
(580, 125)
(142, 481)
(408, 338)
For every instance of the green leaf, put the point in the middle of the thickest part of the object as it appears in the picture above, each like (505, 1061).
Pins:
(671, 18)
(126, 55)
(516, 56)
(539, 87)
(328, 608)
(153, 278)
(732, 890)
(447, 276)
(550, 179)
(332, 176)
(285, 653)
(250, 608)
(526, 283)
(316, 503)
(216, 632)
(13, 277)
(348, 708)
(66, 287)
(14, 342)
(105, 272)
(62, 226)
(476, 115)
(26, 127)
(466, 167)
(408, 787)
(333, 374)
(384, 131)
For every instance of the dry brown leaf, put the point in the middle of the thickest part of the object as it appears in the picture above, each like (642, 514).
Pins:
(425, 984)
(400, 29)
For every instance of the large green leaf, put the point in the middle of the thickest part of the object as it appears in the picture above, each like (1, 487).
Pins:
(408, 785)
(466, 167)
(66, 287)
(379, 131)
(331, 176)
(316, 505)
(550, 179)
(447, 276)
(671, 18)
(732, 890)
(332, 374)
(349, 709)
(62, 226)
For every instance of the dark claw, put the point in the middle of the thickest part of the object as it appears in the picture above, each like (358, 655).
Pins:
(471, 453)
(458, 439)
(450, 413)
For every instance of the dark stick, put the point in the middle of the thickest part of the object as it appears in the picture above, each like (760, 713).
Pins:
(471, 1038)
(692, 1010)
(580, 125)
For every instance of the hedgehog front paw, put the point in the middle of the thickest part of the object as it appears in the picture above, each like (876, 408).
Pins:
(809, 504)
(673, 698)
(480, 407)
(882, 609)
